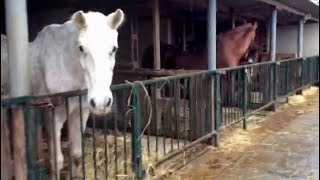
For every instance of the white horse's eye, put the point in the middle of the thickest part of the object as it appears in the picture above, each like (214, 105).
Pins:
(114, 49)
(81, 48)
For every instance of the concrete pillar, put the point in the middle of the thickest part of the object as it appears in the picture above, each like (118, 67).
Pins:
(18, 53)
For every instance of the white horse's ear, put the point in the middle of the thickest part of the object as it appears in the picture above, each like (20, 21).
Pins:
(79, 19)
(115, 19)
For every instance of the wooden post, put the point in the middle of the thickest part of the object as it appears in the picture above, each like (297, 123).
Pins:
(156, 35)
(134, 42)
(19, 152)
(169, 31)
(184, 36)
(156, 50)
(6, 160)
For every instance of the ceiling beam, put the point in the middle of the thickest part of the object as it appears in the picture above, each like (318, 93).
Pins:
(281, 6)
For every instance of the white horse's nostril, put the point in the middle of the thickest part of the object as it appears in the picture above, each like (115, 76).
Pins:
(108, 102)
(92, 103)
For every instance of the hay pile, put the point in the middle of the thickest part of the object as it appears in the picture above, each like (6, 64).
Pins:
(296, 99)
(311, 91)
(116, 147)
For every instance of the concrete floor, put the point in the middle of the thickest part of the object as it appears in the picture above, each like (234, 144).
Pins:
(285, 145)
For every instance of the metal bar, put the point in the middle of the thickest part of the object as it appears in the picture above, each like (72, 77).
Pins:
(245, 98)
(217, 112)
(287, 79)
(212, 29)
(136, 126)
(18, 53)
(82, 137)
(188, 146)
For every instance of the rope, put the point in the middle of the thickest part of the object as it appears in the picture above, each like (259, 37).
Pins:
(132, 84)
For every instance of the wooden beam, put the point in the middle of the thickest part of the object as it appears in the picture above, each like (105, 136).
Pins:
(19, 151)
(156, 35)
(281, 6)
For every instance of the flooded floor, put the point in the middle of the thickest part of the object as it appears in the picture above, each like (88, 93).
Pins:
(282, 145)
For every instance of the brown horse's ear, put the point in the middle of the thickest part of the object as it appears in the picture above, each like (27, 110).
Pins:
(255, 25)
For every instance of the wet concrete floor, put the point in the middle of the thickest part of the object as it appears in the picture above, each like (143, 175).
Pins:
(284, 145)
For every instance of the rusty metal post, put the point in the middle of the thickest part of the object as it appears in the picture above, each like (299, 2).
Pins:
(19, 68)
(19, 151)
(156, 35)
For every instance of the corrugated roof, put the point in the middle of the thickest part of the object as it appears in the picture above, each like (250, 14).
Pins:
(304, 6)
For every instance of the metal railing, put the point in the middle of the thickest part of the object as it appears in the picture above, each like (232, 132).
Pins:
(154, 120)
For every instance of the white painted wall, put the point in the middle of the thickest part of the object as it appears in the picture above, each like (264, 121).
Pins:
(287, 39)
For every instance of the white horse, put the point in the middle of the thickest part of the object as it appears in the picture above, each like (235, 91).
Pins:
(79, 54)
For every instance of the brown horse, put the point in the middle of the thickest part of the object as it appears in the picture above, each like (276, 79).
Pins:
(234, 48)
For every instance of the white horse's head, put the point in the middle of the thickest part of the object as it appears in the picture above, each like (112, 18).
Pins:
(97, 45)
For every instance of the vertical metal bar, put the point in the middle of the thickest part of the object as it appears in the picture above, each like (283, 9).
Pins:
(184, 97)
(18, 53)
(217, 112)
(82, 140)
(177, 110)
(69, 139)
(287, 80)
(53, 113)
(302, 71)
(245, 98)
(125, 135)
(94, 147)
(212, 28)
(273, 34)
(106, 147)
(273, 54)
(29, 116)
(136, 126)
(154, 114)
(115, 150)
